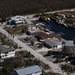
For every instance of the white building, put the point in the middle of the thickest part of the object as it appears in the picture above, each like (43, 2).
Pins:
(8, 55)
(69, 44)
(31, 70)
(33, 30)
(17, 20)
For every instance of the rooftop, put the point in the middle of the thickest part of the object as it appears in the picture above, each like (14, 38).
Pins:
(33, 29)
(69, 43)
(17, 18)
(44, 35)
(28, 70)
(52, 42)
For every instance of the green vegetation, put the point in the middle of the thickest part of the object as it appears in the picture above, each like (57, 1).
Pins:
(14, 7)
(49, 53)
(22, 59)
(16, 29)
(68, 68)
(67, 52)
(68, 21)
(2, 36)
(58, 60)
(51, 73)
(24, 54)
(9, 43)
(32, 43)
(39, 45)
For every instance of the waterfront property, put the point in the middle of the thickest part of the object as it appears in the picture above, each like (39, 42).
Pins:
(31, 70)
(52, 44)
(69, 44)
(45, 35)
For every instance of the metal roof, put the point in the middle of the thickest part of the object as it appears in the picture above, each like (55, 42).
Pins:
(69, 43)
(29, 70)
(17, 17)
(52, 42)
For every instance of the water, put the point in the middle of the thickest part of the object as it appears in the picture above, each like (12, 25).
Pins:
(68, 33)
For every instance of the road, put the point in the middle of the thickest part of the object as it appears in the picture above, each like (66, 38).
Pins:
(31, 15)
(54, 67)
(73, 9)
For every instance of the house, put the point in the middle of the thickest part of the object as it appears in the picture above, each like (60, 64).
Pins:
(31, 70)
(17, 20)
(32, 30)
(6, 52)
(45, 35)
(52, 44)
(69, 44)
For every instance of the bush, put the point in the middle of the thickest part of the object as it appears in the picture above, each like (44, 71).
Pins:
(68, 68)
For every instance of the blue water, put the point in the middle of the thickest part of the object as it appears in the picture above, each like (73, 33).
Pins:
(68, 33)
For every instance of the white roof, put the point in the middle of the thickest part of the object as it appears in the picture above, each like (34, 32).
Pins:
(2, 54)
(17, 17)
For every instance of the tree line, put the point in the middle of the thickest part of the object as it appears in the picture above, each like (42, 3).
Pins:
(16, 7)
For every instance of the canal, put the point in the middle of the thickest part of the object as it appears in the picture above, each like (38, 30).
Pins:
(69, 34)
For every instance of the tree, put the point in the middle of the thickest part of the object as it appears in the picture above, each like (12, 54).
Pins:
(32, 43)
(68, 68)
(49, 53)
(40, 45)
(67, 52)
(14, 7)
(3, 19)
(68, 21)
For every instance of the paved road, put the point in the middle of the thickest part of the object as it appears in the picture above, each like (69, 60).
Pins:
(73, 9)
(54, 67)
